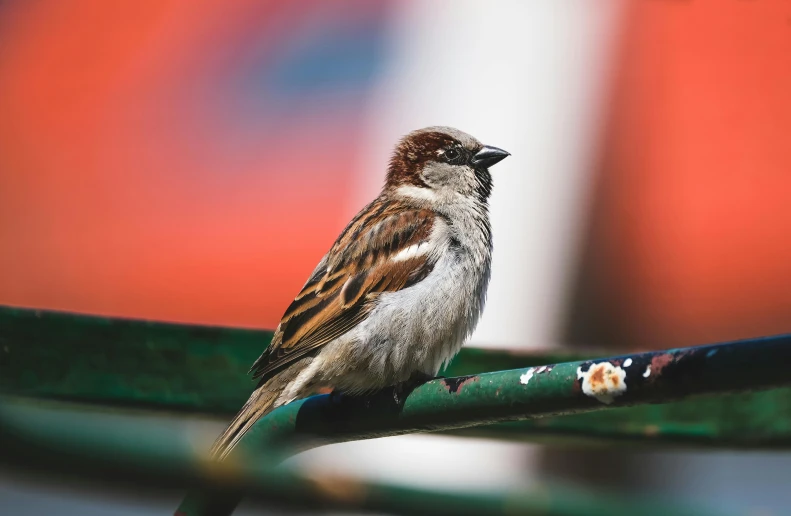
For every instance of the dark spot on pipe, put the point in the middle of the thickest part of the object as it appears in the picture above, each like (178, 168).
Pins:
(683, 371)
(454, 385)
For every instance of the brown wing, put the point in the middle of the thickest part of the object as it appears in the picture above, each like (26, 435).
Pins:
(343, 288)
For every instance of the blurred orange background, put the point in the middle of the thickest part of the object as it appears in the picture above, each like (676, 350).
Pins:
(154, 163)
(166, 160)
(691, 234)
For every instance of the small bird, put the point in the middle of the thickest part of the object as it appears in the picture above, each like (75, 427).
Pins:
(398, 292)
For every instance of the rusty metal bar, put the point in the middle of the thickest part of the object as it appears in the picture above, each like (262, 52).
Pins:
(177, 367)
(157, 365)
(145, 364)
(555, 389)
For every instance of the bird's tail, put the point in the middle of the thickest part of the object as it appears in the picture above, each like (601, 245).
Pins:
(264, 400)
(261, 402)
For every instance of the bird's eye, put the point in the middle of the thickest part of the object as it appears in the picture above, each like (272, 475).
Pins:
(451, 154)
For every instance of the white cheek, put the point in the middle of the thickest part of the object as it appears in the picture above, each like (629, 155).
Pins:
(416, 192)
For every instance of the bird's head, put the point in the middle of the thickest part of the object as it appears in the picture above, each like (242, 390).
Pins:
(441, 164)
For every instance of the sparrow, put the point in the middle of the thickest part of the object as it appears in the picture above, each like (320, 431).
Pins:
(398, 292)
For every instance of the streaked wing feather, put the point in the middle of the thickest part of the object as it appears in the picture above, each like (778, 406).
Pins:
(342, 289)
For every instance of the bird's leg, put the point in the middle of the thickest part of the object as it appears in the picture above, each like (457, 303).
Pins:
(401, 390)
(398, 390)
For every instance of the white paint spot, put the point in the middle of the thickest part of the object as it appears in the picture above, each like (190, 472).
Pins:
(541, 369)
(647, 372)
(416, 192)
(412, 251)
(527, 376)
(627, 362)
(603, 381)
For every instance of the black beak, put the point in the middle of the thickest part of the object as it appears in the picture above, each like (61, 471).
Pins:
(488, 156)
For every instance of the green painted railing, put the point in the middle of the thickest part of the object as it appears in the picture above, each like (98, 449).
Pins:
(555, 397)
(203, 370)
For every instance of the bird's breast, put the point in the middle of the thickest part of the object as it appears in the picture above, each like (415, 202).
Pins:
(422, 327)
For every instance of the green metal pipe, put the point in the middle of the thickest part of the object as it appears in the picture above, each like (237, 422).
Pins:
(156, 365)
(559, 389)
(533, 392)
(749, 421)
(197, 368)
(176, 367)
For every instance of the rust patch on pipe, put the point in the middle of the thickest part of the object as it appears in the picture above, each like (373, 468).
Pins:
(597, 376)
(454, 385)
(615, 381)
(659, 362)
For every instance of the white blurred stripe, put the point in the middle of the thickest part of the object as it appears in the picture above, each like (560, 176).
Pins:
(425, 461)
(524, 76)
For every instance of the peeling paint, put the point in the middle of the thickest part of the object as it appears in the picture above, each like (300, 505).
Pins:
(454, 385)
(659, 362)
(647, 372)
(527, 376)
(603, 381)
(530, 373)
(627, 362)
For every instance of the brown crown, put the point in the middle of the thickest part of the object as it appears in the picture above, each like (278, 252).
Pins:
(412, 153)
